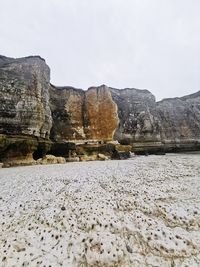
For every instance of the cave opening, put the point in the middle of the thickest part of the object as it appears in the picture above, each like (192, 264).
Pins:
(39, 153)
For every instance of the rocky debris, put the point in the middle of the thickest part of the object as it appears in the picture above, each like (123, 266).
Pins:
(88, 157)
(91, 157)
(72, 159)
(110, 213)
(50, 159)
(102, 157)
(121, 152)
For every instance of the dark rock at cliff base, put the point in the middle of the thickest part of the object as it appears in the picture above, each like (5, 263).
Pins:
(17, 150)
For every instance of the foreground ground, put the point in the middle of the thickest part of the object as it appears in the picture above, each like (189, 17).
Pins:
(140, 212)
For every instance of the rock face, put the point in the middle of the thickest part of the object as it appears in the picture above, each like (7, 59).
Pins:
(83, 115)
(24, 110)
(101, 118)
(37, 117)
(67, 105)
(180, 122)
(139, 124)
(24, 96)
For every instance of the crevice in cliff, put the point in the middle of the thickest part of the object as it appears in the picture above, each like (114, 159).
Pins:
(84, 117)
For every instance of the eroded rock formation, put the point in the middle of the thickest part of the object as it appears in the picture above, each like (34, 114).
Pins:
(37, 118)
(180, 122)
(24, 111)
(83, 115)
(24, 95)
(101, 118)
(67, 105)
(139, 124)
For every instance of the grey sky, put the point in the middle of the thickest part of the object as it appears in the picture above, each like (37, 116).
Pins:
(151, 44)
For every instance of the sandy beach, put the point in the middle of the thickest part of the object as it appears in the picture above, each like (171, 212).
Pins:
(140, 212)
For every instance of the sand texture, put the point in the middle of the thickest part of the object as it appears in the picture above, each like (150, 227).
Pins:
(139, 212)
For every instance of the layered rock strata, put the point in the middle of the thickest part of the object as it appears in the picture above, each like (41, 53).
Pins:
(139, 124)
(180, 122)
(83, 115)
(37, 118)
(24, 95)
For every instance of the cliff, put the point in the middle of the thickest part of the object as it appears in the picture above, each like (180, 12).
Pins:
(180, 122)
(38, 118)
(24, 95)
(139, 124)
(83, 115)
(24, 111)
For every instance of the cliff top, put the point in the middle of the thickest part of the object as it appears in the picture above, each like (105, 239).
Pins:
(7, 60)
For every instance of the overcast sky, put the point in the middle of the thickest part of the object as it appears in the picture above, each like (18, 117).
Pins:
(150, 44)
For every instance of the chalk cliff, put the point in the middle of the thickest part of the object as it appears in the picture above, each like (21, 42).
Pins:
(38, 118)
(83, 115)
(24, 95)
(180, 122)
(25, 115)
(139, 124)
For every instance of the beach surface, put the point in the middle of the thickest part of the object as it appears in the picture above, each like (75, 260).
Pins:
(140, 212)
